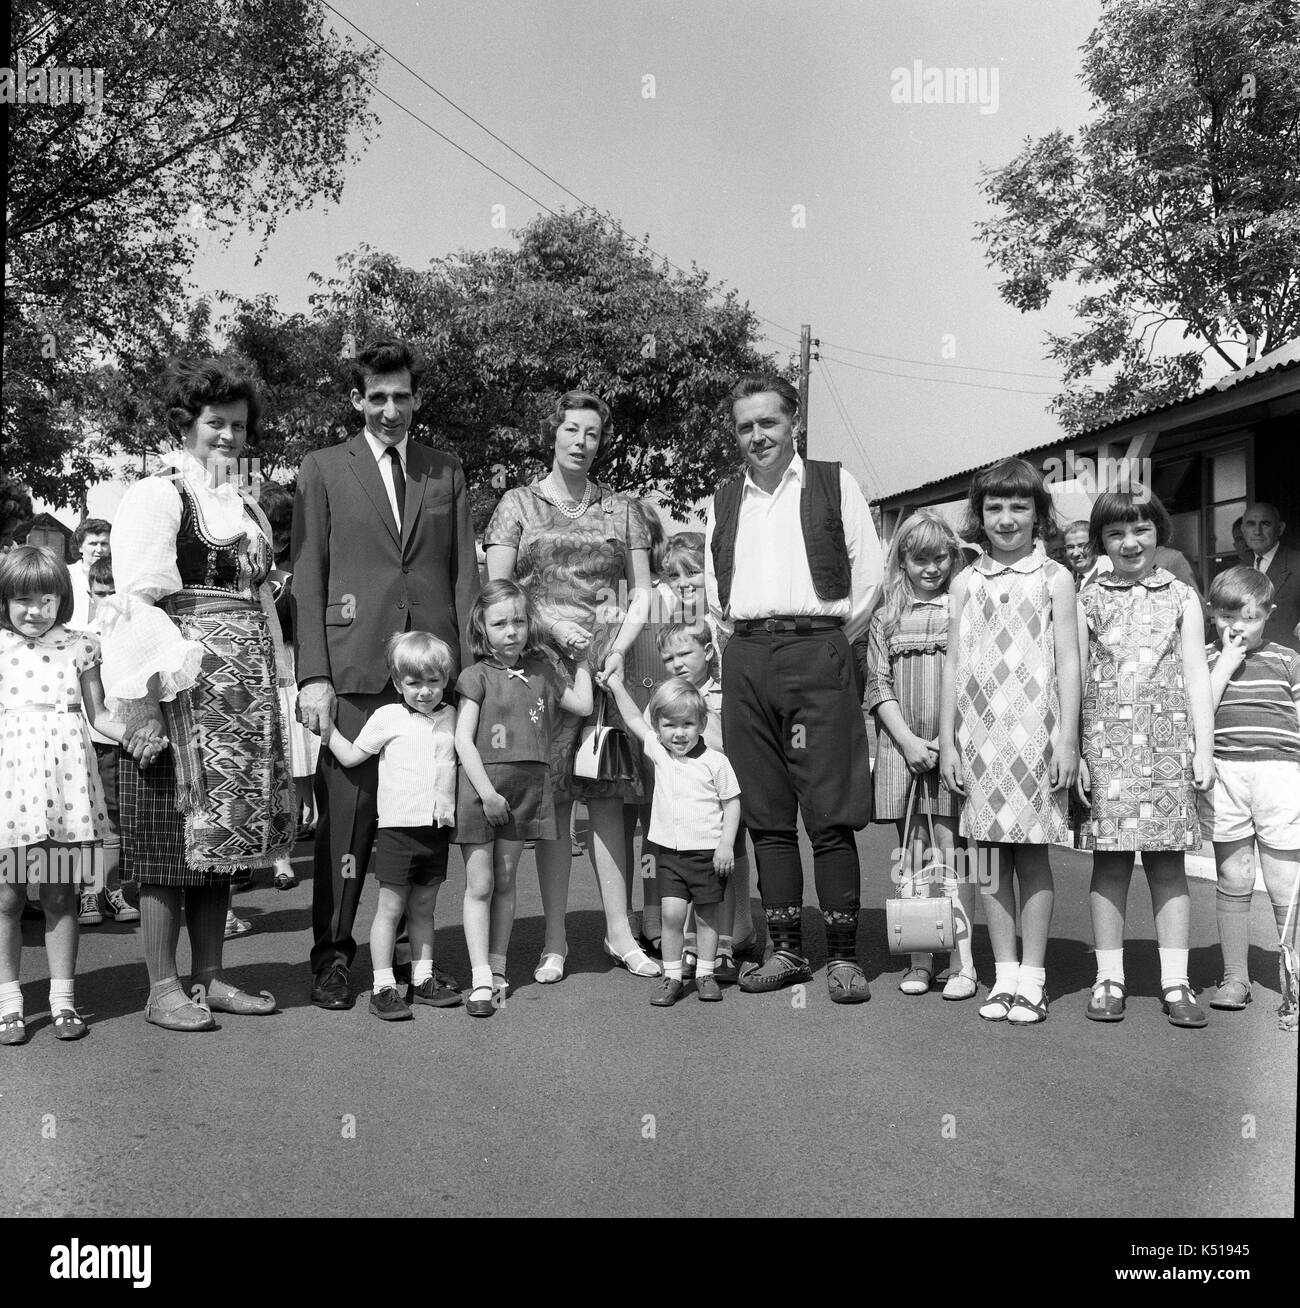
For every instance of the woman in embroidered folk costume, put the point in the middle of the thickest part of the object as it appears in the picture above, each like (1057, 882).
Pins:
(581, 552)
(192, 665)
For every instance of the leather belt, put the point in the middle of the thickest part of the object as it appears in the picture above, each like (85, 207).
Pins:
(749, 626)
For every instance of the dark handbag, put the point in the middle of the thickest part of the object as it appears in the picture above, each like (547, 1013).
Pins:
(603, 753)
(923, 924)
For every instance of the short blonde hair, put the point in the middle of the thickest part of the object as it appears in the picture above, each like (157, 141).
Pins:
(418, 654)
(673, 694)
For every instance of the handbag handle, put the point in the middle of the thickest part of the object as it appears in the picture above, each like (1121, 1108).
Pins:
(912, 789)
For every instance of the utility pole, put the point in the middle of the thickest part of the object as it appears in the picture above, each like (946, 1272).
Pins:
(805, 365)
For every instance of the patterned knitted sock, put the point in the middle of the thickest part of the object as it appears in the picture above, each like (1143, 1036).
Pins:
(841, 934)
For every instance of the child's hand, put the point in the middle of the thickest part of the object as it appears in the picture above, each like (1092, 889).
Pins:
(611, 676)
(950, 770)
(1064, 766)
(724, 860)
(497, 810)
(1234, 649)
(326, 731)
(919, 755)
(1203, 769)
(1083, 786)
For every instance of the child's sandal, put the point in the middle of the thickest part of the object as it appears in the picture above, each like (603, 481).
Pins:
(68, 1025)
(996, 1007)
(13, 1030)
(960, 986)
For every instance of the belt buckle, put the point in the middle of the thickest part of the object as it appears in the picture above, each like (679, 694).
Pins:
(772, 626)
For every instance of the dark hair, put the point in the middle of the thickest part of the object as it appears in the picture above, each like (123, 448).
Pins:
(190, 385)
(549, 427)
(654, 524)
(277, 503)
(1126, 507)
(101, 572)
(384, 356)
(90, 527)
(757, 383)
(1009, 479)
(34, 570)
(494, 592)
(1230, 590)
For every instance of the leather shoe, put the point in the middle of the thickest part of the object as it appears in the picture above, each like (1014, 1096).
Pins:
(784, 968)
(330, 989)
(388, 1005)
(708, 989)
(437, 993)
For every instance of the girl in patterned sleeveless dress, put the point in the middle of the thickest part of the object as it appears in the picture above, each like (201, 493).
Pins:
(907, 639)
(51, 803)
(1148, 745)
(1009, 722)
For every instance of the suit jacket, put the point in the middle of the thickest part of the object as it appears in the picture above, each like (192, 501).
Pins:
(355, 583)
(1284, 573)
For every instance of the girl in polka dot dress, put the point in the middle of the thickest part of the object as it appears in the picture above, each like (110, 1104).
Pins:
(51, 803)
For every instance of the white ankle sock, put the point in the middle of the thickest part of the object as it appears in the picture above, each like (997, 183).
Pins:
(422, 970)
(1005, 979)
(673, 970)
(1031, 982)
(704, 968)
(481, 978)
(61, 994)
(384, 979)
(11, 999)
(1110, 965)
(1173, 968)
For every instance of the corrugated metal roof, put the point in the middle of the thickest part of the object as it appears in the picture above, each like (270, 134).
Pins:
(1284, 358)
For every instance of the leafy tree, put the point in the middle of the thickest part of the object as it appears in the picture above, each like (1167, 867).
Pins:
(1179, 203)
(579, 303)
(214, 113)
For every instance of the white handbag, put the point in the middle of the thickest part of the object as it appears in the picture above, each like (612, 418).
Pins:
(603, 753)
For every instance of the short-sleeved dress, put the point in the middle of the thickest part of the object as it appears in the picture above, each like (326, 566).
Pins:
(519, 710)
(1008, 707)
(49, 783)
(907, 667)
(1137, 731)
(574, 570)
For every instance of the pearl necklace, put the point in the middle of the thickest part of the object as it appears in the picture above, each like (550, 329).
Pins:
(575, 513)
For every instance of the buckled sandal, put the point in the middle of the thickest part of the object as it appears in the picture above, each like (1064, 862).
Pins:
(1107, 1002)
(960, 986)
(1181, 1008)
(1000, 1003)
(636, 960)
(1038, 1011)
(550, 969)
(68, 1025)
(13, 1030)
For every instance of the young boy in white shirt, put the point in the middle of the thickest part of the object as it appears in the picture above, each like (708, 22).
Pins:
(693, 822)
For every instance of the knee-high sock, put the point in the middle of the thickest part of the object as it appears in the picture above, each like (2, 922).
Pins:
(1233, 915)
(205, 920)
(160, 929)
(785, 926)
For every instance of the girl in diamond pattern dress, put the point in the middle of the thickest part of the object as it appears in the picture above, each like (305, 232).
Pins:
(1008, 728)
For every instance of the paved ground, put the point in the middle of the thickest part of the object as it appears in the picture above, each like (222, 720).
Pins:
(581, 1099)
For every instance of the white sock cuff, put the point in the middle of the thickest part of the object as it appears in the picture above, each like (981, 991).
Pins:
(384, 979)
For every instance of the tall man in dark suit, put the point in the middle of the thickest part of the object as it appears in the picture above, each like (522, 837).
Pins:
(1262, 527)
(382, 543)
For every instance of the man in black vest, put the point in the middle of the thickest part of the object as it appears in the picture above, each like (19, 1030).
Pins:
(792, 567)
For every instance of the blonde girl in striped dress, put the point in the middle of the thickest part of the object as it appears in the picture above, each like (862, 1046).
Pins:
(905, 653)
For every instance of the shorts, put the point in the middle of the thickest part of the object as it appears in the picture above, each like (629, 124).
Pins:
(106, 759)
(411, 856)
(526, 787)
(1259, 799)
(688, 874)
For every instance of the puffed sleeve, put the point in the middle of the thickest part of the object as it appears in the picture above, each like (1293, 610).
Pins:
(880, 670)
(139, 640)
(87, 653)
(471, 684)
(507, 524)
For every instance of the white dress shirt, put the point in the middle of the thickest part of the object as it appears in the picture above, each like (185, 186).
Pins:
(1265, 561)
(770, 575)
(380, 451)
(79, 572)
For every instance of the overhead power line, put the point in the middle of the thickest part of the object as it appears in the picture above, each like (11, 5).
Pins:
(930, 363)
(943, 381)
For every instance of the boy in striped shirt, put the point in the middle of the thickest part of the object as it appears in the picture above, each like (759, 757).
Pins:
(1255, 687)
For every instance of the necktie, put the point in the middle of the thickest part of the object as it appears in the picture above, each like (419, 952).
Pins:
(399, 483)
(1259, 563)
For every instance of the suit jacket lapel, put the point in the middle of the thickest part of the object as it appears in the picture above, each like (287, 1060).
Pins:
(366, 471)
(417, 479)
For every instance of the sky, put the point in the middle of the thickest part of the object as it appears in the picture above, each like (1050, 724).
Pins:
(758, 106)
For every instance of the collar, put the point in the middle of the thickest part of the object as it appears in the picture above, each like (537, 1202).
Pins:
(195, 474)
(517, 671)
(1266, 560)
(794, 468)
(1156, 579)
(1030, 564)
(379, 449)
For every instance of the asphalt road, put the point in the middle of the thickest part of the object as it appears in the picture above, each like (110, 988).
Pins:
(581, 1099)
